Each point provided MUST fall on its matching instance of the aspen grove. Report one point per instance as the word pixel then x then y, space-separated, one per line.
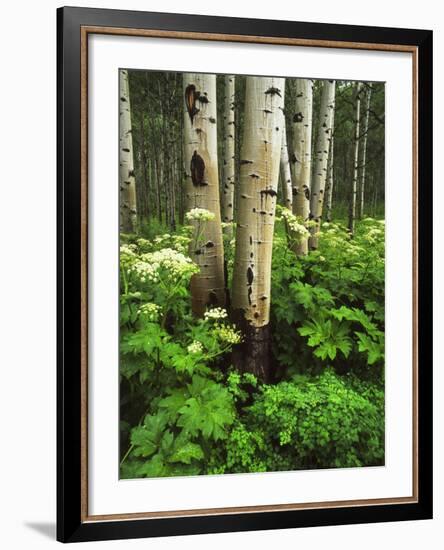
pixel 252 260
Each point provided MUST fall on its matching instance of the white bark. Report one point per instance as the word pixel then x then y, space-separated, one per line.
pixel 127 180
pixel 330 180
pixel 228 183
pixel 302 139
pixel 352 206
pixel 285 169
pixel 260 159
pixel 259 174
pixel 321 157
pixel 364 150
pixel 202 189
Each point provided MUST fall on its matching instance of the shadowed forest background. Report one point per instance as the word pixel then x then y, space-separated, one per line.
pixel 251 274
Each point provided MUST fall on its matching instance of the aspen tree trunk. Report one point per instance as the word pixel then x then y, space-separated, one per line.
pixel 302 138
pixel 364 152
pixel 127 180
pixel 228 176
pixel 352 206
pixel 326 117
pixel 202 189
pixel 285 169
pixel 144 160
pixel 330 179
pixel 259 174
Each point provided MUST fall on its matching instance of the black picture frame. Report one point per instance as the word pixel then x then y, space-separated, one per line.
pixel 71 523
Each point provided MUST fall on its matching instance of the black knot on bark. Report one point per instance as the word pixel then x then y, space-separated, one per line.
pixel 273 91
pixel 191 95
pixel 269 192
pixel 250 276
pixel 197 168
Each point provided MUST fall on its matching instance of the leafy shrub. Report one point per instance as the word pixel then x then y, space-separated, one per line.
pixel 328 306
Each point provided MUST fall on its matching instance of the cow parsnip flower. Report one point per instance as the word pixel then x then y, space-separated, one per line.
pixel 215 313
pixel 168 260
pixel 228 334
pixel 200 214
pixel 297 228
pixel 149 311
pixel 195 347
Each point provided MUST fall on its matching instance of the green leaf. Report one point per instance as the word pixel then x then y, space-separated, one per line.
pixel 147 438
pixel 188 452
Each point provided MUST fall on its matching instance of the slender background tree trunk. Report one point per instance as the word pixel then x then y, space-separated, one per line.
pixel 301 157
pixel 287 188
pixel 326 117
pixel 330 180
pixel 352 208
pixel 364 151
pixel 228 177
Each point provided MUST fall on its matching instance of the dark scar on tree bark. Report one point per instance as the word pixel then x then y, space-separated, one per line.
pixel 212 120
pixel 270 192
pixel 202 99
pixel 246 162
pixel 191 94
pixel 273 91
pixel 213 298
pixel 250 276
pixel 307 194
pixel 298 117
pixel 197 167
pixel 293 158
pixel 209 244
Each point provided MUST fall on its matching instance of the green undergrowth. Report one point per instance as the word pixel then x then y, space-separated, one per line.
pixel 184 410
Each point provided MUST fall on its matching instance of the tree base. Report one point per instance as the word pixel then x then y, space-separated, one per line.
pixel 253 355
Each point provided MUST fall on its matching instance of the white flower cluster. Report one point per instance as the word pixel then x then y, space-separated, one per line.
pixel 200 214
pixel 150 311
pixel 144 271
pixel 172 261
pixel 177 242
pixel 195 347
pixel 127 254
pixel 374 234
pixel 295 226
pixel 228 334
pixel 128 250
pixel 144 245
pixel 215 313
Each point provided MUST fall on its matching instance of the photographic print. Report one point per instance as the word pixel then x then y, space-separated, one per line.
pixel 252 259
pixel 244 274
